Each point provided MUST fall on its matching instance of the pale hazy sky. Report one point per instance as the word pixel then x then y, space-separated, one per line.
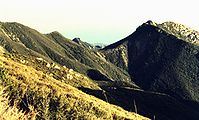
pixel 97 21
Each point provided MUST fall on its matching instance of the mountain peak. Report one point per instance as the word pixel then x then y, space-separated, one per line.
pixel 77 40
pixel 150 22
pixel 11 23
pixel 54 32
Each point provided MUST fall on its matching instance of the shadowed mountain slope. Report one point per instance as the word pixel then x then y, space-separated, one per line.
pixel 161 58
pixel 154 105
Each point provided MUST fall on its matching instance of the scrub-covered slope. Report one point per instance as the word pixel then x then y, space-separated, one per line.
pixel 37 95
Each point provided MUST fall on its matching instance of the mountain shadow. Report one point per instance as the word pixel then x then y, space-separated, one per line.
pixel 153 105
pixel 160 60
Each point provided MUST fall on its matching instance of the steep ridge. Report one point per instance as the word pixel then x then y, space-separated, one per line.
pixel 160 59
pixel 161 62
pixel 91 58
pixel 17 38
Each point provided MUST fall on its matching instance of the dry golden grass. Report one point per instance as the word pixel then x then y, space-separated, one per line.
pixel 52 99
pixel 13 113
pixel 56 71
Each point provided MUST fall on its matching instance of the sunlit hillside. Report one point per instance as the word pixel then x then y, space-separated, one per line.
pixel 27 93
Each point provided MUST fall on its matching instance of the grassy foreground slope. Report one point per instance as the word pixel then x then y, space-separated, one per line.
pixel 12 113
pixel 31 94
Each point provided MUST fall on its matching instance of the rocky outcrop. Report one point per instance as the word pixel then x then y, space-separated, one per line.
pixel 83 44
pixel 117 54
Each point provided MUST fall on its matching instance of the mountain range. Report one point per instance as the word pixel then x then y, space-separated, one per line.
pixel 152 72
